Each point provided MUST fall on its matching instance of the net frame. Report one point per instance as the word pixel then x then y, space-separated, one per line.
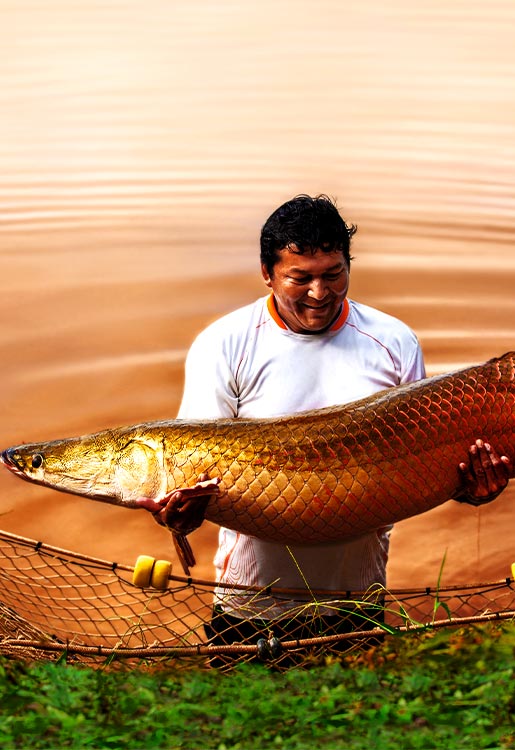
pixel 57 604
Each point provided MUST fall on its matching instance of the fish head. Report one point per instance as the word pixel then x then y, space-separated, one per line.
pixel 110 466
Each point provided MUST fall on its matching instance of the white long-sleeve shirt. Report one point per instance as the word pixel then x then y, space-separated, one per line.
pixel 249 364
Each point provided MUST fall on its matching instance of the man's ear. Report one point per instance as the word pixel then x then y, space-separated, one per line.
pixel 266 276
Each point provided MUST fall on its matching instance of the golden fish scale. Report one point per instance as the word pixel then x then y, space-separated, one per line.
pixel 337 473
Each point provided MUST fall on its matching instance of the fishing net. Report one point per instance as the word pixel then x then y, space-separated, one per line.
pixel 56 604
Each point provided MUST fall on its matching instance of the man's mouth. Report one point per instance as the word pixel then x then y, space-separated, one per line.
pixel 323 306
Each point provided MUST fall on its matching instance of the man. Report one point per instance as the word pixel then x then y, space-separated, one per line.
pixel 304 346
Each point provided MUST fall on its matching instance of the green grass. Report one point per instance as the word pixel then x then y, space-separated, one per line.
pixel 448 689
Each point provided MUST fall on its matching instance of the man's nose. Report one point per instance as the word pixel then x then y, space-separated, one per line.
pixel 317 289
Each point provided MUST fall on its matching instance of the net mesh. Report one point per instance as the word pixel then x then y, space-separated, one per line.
pixel 57 604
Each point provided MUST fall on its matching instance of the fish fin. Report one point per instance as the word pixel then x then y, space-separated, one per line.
pixel 184 552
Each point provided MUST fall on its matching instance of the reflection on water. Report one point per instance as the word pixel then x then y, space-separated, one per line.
pixel 182 127
pixel 143 146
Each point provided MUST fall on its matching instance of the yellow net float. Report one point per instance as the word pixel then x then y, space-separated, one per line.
pixel 160 574
pixel 149 572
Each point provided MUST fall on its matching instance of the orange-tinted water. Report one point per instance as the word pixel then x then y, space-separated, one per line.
pixel 142 146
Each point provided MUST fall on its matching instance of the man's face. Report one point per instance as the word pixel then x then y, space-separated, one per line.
pixel 309 289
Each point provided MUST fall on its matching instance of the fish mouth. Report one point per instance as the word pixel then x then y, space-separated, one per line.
pixel 7 457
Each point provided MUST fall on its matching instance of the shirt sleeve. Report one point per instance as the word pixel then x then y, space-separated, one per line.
pixel 414 368
pixel 210 390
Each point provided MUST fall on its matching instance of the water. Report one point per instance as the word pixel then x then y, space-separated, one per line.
pixel 142 147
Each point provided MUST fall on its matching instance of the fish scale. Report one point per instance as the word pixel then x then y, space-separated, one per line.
pixel 319 476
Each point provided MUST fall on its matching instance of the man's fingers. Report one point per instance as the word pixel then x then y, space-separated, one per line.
pixel 183 509
pixel 148 503
pixel 485 475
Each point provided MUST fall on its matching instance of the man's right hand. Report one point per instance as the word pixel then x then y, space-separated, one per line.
pixel 182 510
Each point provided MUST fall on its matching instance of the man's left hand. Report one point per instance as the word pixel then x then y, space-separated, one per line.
pixel 485 476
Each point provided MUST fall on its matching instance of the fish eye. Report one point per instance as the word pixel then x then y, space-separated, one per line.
pixel 37 461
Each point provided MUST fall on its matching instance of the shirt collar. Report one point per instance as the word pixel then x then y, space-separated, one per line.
pixel 337 324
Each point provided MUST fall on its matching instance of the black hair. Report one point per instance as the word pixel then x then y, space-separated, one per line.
pixel 309 224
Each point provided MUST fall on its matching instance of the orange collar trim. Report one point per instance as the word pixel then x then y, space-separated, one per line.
pixel 338 323
pixel 272 309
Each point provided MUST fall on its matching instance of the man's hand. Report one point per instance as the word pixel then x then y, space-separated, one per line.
pixel 183 510
pixel 485 476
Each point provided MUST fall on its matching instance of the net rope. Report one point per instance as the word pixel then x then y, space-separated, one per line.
pixel 56 604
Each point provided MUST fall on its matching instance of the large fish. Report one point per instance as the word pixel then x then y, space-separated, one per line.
pixel 318 476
